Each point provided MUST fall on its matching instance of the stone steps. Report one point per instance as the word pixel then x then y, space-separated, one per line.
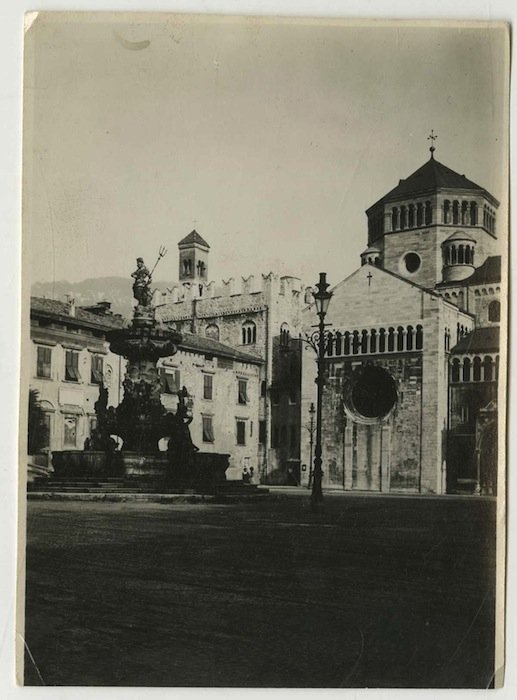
pixel 85 488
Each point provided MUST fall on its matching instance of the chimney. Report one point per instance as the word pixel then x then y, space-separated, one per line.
pixel 71 304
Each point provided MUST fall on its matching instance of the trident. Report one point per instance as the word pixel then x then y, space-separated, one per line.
pixel 161 253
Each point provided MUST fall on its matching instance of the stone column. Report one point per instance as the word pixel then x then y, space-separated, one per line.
pixel 349 455
pixel 385 450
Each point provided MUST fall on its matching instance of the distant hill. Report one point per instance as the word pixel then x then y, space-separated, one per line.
pixel 116 290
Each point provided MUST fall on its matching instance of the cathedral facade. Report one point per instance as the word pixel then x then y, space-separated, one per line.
pixel 412 351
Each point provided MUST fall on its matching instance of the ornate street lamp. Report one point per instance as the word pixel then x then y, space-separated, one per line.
pixel 318 342
pixel 322 299
pixel 312 411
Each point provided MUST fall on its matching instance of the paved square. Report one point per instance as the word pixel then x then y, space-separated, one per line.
pixel 374 592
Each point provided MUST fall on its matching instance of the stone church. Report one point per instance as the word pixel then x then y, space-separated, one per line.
pixel 412 353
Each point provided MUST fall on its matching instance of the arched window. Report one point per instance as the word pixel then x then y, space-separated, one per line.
pixel 409 338
pixel 428 213
pixel 364 341
pixel 249 333
pixel 346 343
pixel 411 217
pixel 330 343
pixel 382 340
pixel 373 340
pixel 455 370
pixel 453 255
pixel 455 212
pixel 494 311
pixel 355 342
pixel 460 254
pixel 466 370
pixel 339 343
pixel 284 334
pixel 464 213
pixel 476 369
pixel 400 339
pixel 395 218
pixel 212 331
pixel 403 215
pixel 419 337
pixel 419 214
pixel 391 339
pixel 446 212
pixel 473 214
pixel 488 369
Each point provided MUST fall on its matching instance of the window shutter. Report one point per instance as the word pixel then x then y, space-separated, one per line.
pixel 243 393
pixel 207 386
pixel 208 429
pixel 72 366
pixel 43 362
pixel 241 432
pixel 97 369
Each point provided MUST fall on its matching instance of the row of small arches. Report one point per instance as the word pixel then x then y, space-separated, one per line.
pixel 412 215
pixel 475 370
pixel 458 255
pixel 489 219
pixel 455 212
pixel 487 291
pixel 371 260
pixel 375 341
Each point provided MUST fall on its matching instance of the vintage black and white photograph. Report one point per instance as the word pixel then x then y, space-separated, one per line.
pixel 264 352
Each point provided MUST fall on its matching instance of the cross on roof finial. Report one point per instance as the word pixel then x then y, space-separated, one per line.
pixel 432 137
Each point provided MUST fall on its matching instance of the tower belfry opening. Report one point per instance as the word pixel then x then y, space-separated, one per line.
pixel 193 258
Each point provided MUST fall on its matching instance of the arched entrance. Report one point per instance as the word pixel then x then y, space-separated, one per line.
pixel 369 398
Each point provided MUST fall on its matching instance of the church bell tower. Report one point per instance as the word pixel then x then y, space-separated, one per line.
pixel 193 258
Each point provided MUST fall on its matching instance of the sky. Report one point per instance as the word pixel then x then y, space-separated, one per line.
pixel 271 138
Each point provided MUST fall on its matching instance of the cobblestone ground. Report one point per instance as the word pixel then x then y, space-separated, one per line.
pixel 373 592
